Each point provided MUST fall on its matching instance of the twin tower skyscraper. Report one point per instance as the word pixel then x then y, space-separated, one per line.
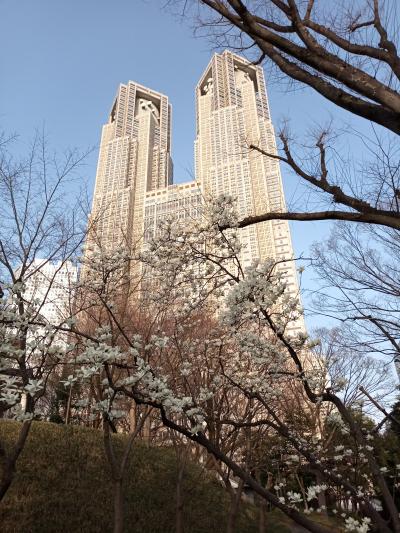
pixel 134 187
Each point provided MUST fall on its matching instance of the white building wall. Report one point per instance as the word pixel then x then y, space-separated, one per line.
pixel 51 284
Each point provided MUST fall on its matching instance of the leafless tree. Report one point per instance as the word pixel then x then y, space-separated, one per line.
pixel 361 287
pixel 41 223
pixel 348 368
pixel 118 468
pixel 249 376
pixel 347 53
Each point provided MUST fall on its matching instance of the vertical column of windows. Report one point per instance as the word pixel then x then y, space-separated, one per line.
pixel 130 113
pixel 120 111
pixel 231 83
pixel 262 94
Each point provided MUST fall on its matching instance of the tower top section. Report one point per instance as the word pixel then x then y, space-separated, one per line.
pixel 226 75
pixel 134 104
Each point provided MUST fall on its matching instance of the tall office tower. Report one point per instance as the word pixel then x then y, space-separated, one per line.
pixel 134 158
pixel 233 113
pixel 134 190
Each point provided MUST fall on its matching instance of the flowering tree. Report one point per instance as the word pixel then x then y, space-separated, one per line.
pixel 256 312
pixel 208 347
pixel 245 356
pixel 186 330
pixel 36 222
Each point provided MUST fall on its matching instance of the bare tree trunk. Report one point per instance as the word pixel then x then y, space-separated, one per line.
pixel 236 497
pixel 8 463
pixel 302 490
pixel 118 506
pixel 262 522
pixel 262 506
pixel 179 497
pixel 147 431
pixel 181 454
pixel 321 495
pixel 68 408
pixel 132 417
pixel 118 471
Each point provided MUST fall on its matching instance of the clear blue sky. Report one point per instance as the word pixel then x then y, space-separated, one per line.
pixel 62 60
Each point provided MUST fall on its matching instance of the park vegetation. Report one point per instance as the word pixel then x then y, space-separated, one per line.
pixel 179 345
